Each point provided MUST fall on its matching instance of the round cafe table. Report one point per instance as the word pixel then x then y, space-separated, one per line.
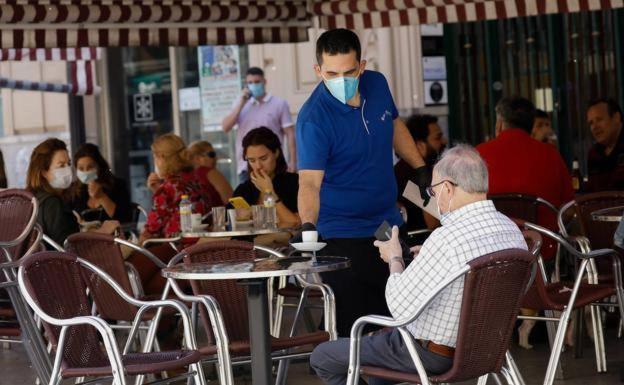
pixel 610 214
pixel 250 232
pixel 253 275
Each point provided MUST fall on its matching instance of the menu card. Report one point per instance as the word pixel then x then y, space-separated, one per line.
pixel 412 193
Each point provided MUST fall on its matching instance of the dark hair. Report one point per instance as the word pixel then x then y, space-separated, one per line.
pixel 516 112
pixel 264 136
pixel 337 41
pixel 418 126
pixel 612 106
pixel 40 162
pixel 541 114
pixel 255 71
pixel 105 176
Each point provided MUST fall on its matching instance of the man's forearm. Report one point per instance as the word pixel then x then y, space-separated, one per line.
pixel 308 201
pixel 292 150
pixel 230 120
pixel 405 147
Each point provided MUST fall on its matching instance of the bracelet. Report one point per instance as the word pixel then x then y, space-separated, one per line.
pixel 398 259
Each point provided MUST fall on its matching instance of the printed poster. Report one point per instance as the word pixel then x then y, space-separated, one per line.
pixel 219 83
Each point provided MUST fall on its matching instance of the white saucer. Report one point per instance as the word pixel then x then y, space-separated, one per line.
pixel 309 246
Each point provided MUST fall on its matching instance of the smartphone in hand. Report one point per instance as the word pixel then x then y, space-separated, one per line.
pixel 383 232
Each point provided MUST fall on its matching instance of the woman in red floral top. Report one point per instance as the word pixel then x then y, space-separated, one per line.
pixel 173 178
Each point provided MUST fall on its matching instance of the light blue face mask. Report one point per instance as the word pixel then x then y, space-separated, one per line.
pixel 342 88
pixel 256 89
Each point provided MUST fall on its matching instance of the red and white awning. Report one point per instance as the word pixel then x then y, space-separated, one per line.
pixel 361 14
pixel 111 23
pixel 81 69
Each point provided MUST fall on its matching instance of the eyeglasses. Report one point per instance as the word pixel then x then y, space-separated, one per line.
pixel 211 154
pixel 430 191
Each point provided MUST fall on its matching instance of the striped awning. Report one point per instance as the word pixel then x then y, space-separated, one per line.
pixel 361 14
pixel 109 23
pixel 81 69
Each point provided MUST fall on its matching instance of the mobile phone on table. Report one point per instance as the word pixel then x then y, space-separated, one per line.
pixel 239 203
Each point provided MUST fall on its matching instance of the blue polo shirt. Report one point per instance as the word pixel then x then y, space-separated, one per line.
pixel 353 145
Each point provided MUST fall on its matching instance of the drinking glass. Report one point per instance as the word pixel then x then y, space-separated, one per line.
pixel 257 214
pixel 270 218
pixel 218 218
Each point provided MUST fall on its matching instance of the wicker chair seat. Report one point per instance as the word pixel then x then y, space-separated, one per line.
pixel 558 295
pixel 243 348
pixel 140 363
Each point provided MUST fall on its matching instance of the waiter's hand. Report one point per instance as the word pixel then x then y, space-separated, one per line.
pixel 297 238
pixel 390 248
pixel 422 177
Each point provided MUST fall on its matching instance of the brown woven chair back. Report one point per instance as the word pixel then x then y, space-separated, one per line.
pixel 16 209
pixel 516 205
pixel 57 283
pixel 493 289
pixel 102 251
pixel 600 234
pixel 231 297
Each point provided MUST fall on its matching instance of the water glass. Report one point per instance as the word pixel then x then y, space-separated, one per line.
pixel 218 218
pixel 257 213
pixel 270 217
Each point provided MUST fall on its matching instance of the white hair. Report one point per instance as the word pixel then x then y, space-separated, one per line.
pixel 464 166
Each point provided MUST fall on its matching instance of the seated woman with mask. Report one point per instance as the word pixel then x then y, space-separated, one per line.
pixel 203 155
pixel 99 188
pixel 268 173
pixel 50 179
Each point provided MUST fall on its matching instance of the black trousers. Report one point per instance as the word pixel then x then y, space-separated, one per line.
pixel 359 290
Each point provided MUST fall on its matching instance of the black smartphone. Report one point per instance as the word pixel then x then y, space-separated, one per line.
pixel 383 232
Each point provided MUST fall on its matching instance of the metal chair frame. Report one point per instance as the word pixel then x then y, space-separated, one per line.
pixel 106 332
pixel 586 258
pixel 510 371
pixel 223 360
pixel 30 335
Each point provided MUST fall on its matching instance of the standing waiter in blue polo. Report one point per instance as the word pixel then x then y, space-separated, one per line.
pixel 346 133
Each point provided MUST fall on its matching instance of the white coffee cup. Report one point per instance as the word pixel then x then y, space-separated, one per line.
pixel 196 221
pixel 309 236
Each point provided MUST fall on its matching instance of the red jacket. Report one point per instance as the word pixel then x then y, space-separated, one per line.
pixel 518 163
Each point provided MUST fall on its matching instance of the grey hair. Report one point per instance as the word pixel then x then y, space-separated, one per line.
pixel 464 166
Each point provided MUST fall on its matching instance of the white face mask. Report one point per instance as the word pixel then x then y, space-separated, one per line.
pixel 443 216
pixel 86 177
pixel 62 178
pixel 157 171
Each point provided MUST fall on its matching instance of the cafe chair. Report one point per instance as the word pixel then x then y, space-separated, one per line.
pixel 223 311
pixel 493 288
pixel 104 251
pixel 56 286
pixel 566 297
pixel 18 237
pixel 599 234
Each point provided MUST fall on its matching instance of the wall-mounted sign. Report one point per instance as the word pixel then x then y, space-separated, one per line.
pixel 434 68
pixel 432 29
pixel 435 92
pixel 219 83
pixel 143 108
pixel 190 99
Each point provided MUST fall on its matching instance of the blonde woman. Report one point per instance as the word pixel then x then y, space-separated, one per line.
pixel 175 176
pixel 204 158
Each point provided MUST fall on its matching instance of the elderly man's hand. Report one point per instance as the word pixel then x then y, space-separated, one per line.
pixel 391 248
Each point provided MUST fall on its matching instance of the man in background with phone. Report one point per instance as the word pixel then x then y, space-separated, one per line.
pixel 347 132
pixel 257 108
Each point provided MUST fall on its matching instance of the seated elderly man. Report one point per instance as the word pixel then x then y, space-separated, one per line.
pixel 471 227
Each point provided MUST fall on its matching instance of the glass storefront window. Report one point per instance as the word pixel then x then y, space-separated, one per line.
pixel 148 113
pixel 191 122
